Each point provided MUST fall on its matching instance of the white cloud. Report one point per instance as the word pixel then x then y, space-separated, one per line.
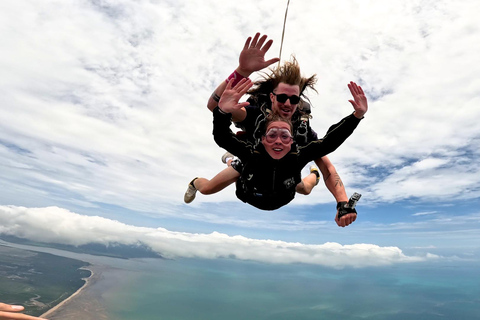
pixel 57 225
pixel 425 213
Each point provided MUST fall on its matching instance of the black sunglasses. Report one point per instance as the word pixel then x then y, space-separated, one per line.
pixel 282 98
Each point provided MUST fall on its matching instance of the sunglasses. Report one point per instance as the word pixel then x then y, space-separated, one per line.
pixel 272 135
pixel 282 98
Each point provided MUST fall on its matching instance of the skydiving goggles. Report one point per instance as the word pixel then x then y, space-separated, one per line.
pixel 282 98
pixel 272 135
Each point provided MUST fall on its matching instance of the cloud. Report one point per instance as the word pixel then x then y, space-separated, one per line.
pixel 424 213
pixel 57 225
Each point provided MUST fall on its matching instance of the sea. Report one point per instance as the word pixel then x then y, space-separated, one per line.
pixel 181 289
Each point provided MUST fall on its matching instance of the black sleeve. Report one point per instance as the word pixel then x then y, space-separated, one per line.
pixel 224 136
pixel 336 135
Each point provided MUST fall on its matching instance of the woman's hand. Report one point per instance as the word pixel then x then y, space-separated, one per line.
pixel 230 97
pixel 359 101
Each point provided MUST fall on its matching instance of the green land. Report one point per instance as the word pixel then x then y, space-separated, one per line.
pixel 38 281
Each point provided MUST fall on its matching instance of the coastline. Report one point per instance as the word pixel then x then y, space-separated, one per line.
pixel 74 304
pixel 87 302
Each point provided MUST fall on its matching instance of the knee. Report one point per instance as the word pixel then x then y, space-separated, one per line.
pixel 206 188
pixel 206 191
pixel 302 189
pixel 306 192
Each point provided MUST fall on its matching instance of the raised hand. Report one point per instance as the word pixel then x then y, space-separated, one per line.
pixel 230 97
pixel 359 101
pixel 252 57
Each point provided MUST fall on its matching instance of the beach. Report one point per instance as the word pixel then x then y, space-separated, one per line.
pixel 86 301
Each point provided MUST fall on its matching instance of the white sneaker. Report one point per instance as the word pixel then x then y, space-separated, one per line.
pixel 314 169
pixel 226 156
pixel 190 193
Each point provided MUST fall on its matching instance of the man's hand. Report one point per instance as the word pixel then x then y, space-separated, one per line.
pixel 348 215
pixel 252 57
pixel 229 100
pixel 346 219
pixel 359 101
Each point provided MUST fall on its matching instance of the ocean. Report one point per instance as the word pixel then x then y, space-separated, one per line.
pixel 227 289
pixel 147 289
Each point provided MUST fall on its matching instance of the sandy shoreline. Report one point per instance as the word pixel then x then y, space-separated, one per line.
pixel 87 282
pixel 81 302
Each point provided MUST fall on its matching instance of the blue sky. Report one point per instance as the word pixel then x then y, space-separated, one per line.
pixel 104 122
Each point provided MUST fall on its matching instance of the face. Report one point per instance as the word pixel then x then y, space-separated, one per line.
pixel 286 109
pixel 278 139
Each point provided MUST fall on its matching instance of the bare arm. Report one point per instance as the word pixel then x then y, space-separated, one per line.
pixel 252 58
pixel 335 185
pixel 331 178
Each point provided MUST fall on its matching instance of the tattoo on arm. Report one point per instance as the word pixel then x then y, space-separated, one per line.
pixel 215 96
pixel 336 178
pixel 338 181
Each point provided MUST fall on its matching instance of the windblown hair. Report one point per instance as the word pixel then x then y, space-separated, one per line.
pixel 288 73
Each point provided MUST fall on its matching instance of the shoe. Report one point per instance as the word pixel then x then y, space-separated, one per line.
pixel 190 193
pixel 314 170
pixel 226 156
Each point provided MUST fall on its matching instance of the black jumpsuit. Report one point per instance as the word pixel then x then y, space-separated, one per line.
pixel 267 183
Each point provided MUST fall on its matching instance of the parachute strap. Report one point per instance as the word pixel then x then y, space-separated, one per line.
pixel 283 33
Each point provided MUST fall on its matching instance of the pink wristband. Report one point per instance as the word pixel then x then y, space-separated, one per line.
pixel 236 78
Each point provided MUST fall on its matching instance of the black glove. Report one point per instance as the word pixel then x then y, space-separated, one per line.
pixel 343 209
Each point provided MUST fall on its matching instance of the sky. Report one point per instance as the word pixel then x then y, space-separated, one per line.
pixel 104 122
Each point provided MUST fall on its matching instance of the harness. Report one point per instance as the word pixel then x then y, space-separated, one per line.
pixel 300 120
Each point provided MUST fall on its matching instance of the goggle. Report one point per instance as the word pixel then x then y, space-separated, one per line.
pixel 272 135
pixel 282 98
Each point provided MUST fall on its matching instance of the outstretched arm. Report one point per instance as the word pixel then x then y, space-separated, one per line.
pixel 252 58
pixel 339 132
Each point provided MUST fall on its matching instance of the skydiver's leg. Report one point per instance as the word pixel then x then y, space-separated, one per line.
pixel 309 182
pixel 222 180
